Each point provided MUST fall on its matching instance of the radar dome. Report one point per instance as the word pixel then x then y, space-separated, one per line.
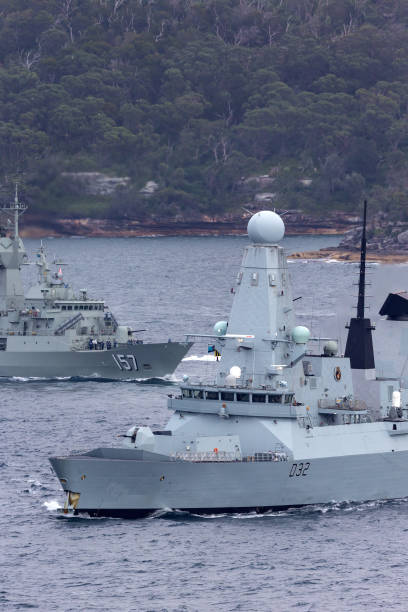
pixel 300 334
pixel 266 227
pixel 330 348
pixel 230 381
pixel 235 371
pixel 220 328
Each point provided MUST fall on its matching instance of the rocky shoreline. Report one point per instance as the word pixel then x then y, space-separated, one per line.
pixel 297 223
pixel 353 256
pixel 389 246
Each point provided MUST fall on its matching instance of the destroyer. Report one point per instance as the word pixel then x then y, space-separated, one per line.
pixel 52 331
pixel 279 427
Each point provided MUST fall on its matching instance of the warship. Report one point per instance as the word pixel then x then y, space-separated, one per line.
pixel 53 331
pixel 280 426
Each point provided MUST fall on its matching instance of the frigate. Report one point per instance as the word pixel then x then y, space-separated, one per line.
pixel 280 426
pixel 54 331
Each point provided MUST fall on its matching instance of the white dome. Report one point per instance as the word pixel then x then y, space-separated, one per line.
pixel 266 227
pixel 300 334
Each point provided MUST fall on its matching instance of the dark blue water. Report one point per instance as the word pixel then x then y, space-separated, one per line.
pixel 345 557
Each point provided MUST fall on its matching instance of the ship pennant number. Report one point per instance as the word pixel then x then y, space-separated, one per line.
pixel 125 362
pixel 299 469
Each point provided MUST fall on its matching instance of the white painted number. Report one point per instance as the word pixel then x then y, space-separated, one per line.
pixel 127 362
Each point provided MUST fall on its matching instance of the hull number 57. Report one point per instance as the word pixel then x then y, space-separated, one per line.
pixel 125 362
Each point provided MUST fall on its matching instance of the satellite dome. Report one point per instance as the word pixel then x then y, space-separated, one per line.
pixel 266 227
pixel 220 328
pixel 300 334
pixel 330 348
pixel 235 371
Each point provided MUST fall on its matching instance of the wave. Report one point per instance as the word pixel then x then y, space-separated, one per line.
pixel 202 358
pixel 165 380
pixel 52 505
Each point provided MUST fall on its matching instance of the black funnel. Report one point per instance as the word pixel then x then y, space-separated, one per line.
pixel 359 346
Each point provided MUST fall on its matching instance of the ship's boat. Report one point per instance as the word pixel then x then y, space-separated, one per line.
pixel 54 331
pixel 280 425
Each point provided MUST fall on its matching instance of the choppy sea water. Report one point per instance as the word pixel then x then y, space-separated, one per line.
pixel 339 557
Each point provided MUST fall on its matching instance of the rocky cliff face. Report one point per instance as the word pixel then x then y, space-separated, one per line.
pixel 229 224
pixel 382 237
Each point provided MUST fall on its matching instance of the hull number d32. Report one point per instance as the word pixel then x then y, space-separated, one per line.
pixel 125 362
pixel 299 469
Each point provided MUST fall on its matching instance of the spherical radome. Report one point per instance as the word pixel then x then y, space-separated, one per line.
pixel 220 328
pixel 331 348
pixel 266 227
pixel 300 334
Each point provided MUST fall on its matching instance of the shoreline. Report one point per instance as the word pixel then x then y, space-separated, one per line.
pixel 353 256
pixel 104 228
pixel 33 227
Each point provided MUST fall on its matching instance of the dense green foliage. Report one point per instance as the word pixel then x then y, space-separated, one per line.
pixel 199 94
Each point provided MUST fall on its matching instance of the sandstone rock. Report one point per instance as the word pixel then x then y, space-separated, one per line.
pixel 403 237
pixel 96 183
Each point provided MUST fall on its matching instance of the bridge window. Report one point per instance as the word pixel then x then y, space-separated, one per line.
pixel 212 395
pixel 186 392
pixel 275 399
pixel 227 396
pixel 69 307
pixel 63 307
pixel 289 398
pixel 259 397
pixel 242 397
pixel 197 393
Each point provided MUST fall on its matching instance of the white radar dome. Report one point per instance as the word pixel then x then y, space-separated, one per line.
pixel 266 227
pixel 300 334
pixel 220 328
pixel 235 371
pixel 330 348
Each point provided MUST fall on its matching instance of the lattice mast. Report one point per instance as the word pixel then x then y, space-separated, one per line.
pixel 359 346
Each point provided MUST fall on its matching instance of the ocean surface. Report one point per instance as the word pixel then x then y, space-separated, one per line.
pixel 334 557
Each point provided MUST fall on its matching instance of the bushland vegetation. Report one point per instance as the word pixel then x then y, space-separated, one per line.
pixel 200 95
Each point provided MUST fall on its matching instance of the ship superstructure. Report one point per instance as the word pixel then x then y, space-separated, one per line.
pixel 54 331
pixel 280 426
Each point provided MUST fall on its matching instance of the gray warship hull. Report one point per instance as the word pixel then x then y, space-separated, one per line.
pixel 137 361
pixel 279 427
pixel 134 488
pixel 52 331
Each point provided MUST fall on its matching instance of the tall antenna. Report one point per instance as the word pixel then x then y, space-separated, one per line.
pixel 362 282
pixel 12 212
pixel 359 346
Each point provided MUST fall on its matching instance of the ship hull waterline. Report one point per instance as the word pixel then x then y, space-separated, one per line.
pixel 139 361
pixel 132 489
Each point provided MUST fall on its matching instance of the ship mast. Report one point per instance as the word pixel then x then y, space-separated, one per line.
pixel 362 282
pixel 359 346
pixel 13 212
pixel 12 255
